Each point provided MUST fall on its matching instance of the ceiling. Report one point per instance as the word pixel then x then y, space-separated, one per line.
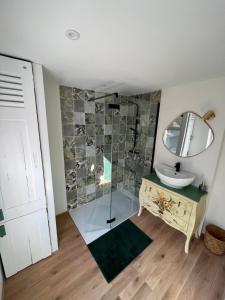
pixel 129 46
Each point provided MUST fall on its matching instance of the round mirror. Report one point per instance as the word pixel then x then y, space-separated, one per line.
pixel 188 135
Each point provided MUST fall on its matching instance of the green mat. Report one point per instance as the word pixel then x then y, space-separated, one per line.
pixel 117 248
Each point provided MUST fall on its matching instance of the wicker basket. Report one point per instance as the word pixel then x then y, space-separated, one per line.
pixel 215 239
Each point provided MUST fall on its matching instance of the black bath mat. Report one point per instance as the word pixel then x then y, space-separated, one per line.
pixel 117 248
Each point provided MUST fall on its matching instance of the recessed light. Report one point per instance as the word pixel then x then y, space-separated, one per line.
pixel 72 34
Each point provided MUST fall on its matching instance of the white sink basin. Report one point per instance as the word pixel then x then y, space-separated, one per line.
pixel 170 177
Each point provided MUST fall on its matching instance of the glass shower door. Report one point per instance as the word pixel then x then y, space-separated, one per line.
pixel 98 218
pixel 124 125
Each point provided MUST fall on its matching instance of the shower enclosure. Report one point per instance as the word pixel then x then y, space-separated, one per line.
pixel 116 200
pixel 108 147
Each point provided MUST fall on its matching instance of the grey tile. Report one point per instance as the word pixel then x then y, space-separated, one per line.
pixel 131 110
pixel 84 95
pixel 69 148
pixel 108 129
pixel 121 146
pixel 90 151
pixel 67 105
pixel 108 110
pixel 99 139
pixel 91 160
pixel 123 109
pixel 108 119
pixel 90 129
pixel 90 179
pixel 89 118
pixel 115 139
pixel 72 195
pixel 80 141
pixel 130 120
pixel 80 163
pixel 80 152
pixel 99 149
pixel 81 196
pixel 65 92
pixel 99 119
pixel 67 117
pixel 144 120
pixel 107 149
pixel 81 173
pixel 99 157
pixel 81 183
pixel 122 129
pixel 89 107
pixel 108 139
pixel 99 108
pixel 79 118
pixel 78 105
pixel 68 130
pixel 90 189
pixel 116 120
pixel 79 130
pixel 116 112
pixel 90 141
pixel 115 129
pixel 99 129
pixel 69 164
pixel 115 157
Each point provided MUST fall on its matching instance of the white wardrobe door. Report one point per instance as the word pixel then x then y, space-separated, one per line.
pixel 26 242
pixel 22 188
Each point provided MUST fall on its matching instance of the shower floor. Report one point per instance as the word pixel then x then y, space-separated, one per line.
pixel 90 218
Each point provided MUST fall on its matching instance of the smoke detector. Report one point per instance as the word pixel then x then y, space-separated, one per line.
pixel 72 34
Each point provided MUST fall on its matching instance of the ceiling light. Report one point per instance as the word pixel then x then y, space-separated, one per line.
pixel 72 34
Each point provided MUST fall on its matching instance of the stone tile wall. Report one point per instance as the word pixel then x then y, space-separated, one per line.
pixel 98 140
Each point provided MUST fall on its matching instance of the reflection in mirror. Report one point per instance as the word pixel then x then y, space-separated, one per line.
pixel 188 135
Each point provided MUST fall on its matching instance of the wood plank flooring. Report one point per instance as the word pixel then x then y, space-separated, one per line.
pixel 162 271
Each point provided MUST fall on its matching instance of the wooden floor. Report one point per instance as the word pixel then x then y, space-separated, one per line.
pixel 162 271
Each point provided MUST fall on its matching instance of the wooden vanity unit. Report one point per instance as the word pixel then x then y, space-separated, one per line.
pixel 182 209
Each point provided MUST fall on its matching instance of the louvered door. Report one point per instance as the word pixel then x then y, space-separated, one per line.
pixel 21 175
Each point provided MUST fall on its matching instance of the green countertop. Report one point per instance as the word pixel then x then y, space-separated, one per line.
pixel 190 191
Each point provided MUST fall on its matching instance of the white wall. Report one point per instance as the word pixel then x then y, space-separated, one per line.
pixel 53 111
pixel 216 209
pixel 198 97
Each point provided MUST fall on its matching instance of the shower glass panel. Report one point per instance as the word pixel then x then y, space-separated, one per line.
pixel 124 204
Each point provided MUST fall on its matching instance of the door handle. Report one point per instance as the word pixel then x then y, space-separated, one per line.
pixel 2 231
pixel 1 215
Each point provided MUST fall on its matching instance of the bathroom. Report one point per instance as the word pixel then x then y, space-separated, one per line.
pixel 113 114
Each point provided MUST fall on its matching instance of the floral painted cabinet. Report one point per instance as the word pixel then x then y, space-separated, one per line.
pixel 181 209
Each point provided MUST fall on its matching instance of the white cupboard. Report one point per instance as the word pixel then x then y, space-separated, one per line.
pixel 23 224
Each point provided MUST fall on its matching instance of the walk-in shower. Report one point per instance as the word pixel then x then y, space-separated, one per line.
pixel 108 142
pixel 118 204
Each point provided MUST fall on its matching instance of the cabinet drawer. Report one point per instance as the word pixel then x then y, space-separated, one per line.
pixel 173 209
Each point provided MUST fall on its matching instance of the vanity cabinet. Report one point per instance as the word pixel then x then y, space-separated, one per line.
pixel 182 209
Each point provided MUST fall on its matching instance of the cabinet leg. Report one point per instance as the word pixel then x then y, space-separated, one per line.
pixel 140 211
pixel 197 235
pixel 186 248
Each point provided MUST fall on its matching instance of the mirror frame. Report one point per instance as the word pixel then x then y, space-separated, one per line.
pixel 190 111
